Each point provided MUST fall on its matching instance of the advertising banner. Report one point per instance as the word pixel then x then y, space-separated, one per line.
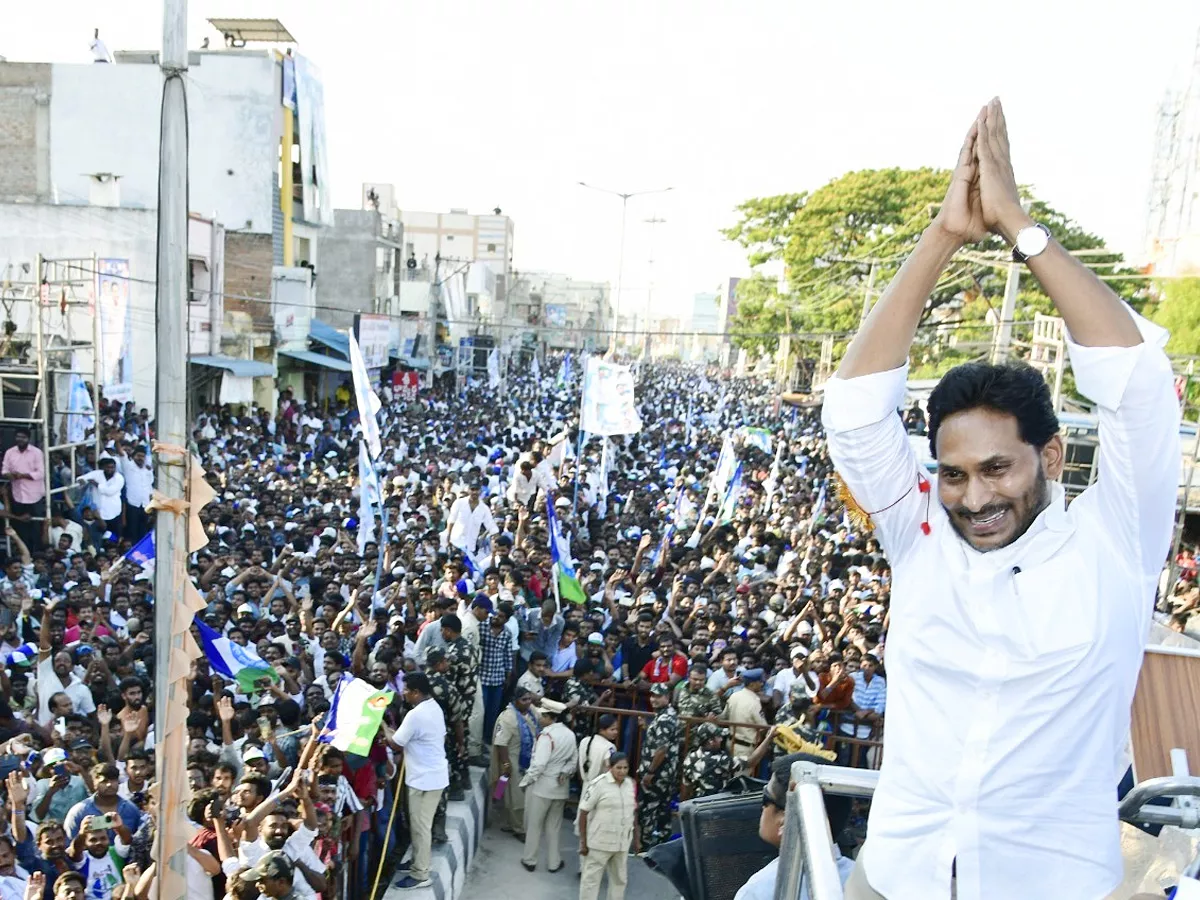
pixel 116 329
pixel 374 334
pixel 608 405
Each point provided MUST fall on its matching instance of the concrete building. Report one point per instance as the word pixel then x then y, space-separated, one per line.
pixel 727 306
pixel 87 136
pixel 561 311
pixel 117 250
pixel 1173 213
pixel 362 265
pixel 458 238
pixel 704 324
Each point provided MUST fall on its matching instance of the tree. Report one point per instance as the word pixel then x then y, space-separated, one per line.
pixel 1178 310
pixel 827 239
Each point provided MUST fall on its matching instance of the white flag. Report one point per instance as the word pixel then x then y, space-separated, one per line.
pixel 535 368
pixel 493 369
pixel 369 497
pixel 368 403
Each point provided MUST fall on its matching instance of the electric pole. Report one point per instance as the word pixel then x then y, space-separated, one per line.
pixel 1007 311
pixel 867 295
pixel 653 220
pixel 171 462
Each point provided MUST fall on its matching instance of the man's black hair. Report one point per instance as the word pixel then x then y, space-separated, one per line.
pixel 1013 388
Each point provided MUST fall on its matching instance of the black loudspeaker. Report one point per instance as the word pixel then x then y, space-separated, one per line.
pixel 483 346
pixel 721 845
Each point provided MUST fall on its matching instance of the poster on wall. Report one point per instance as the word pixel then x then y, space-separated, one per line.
pixel 116 329
pixel 556 315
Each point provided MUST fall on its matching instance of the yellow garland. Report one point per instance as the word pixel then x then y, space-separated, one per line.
pixel 859 517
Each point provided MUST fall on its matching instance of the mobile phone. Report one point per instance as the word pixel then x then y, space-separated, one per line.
pixel 101 823
pixel 60 769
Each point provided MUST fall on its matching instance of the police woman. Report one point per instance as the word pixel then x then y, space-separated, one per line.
pixel 607 829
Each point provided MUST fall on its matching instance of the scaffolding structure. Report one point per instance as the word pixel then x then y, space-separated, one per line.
pixel 41 363
pixel 1173 210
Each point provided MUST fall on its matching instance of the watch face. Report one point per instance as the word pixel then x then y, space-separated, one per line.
pixel 1032 241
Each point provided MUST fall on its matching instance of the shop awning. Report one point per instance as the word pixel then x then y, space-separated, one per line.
pixel 419 363
pixel 317 359
pixel 243 368
pixel 325 334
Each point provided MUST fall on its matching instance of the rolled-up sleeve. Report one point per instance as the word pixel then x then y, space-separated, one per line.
pixel 1140 456
pixel 870 450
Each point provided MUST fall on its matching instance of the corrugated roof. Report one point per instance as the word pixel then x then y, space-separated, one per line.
pixel 317 359
pixel 243 368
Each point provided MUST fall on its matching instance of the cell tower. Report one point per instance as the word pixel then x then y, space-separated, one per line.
pixel 1173 211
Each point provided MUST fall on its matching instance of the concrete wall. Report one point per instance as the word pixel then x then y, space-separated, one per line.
pixel 105 118
pixel 346 277
pixel 24 131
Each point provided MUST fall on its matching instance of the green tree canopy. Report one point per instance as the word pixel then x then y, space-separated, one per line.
pixel 1178 310
pixel 827 238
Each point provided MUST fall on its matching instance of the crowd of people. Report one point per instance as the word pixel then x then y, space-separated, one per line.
pixel 709 633
pixel 717 627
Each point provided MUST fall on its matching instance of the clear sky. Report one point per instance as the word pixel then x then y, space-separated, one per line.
pixel 484 103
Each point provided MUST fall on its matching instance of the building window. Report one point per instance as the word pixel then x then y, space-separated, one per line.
pixel 449 237
pixel 491 248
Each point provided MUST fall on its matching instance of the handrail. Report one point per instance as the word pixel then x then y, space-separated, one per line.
pixel 806 857
pixel 1134 808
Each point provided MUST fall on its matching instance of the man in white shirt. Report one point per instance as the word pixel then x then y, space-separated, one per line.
pixel 422 737
pixel 107 484
pixel 139 483
pixel 468 517
pixel 1017 624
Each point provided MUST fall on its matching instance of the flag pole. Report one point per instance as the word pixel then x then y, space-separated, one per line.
pixel 578 466
pixel 383 524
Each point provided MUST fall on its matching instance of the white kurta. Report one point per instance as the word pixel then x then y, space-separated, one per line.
pixel 1011 673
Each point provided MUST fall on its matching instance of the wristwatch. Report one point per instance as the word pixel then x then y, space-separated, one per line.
pixel 1030 242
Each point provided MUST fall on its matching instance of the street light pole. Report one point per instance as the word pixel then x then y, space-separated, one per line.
pixel 621 260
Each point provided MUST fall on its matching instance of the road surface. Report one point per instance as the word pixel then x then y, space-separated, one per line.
pixel 497 873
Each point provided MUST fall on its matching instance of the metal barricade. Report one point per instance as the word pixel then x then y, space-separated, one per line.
pixel 806 857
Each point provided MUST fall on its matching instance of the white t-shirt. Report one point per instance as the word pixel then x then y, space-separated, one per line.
pixel 422 734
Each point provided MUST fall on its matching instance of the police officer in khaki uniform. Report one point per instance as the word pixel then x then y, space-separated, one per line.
pixel 607 829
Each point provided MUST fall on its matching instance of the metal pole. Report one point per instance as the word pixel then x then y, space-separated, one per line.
pixel 43 367
pixel 620 273
pixel 866 308
pixel 170 466
pixel 1004 331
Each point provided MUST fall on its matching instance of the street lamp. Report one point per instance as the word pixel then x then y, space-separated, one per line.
pixel 621 263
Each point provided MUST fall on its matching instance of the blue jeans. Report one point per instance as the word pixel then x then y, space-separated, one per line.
pixel 493 698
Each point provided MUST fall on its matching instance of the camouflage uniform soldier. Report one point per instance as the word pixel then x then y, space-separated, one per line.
pixel 577 692
pixel 659 768
pixel 462 673
pixel 692 698
pixel 708 768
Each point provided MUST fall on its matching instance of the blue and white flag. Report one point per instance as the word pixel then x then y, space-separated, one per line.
pixel 364 396
pixel 732 495
pixel 756 437
pixel 355 715
pixel 818 508
pixel 234 662
pixel 560 555
pixel 143 551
